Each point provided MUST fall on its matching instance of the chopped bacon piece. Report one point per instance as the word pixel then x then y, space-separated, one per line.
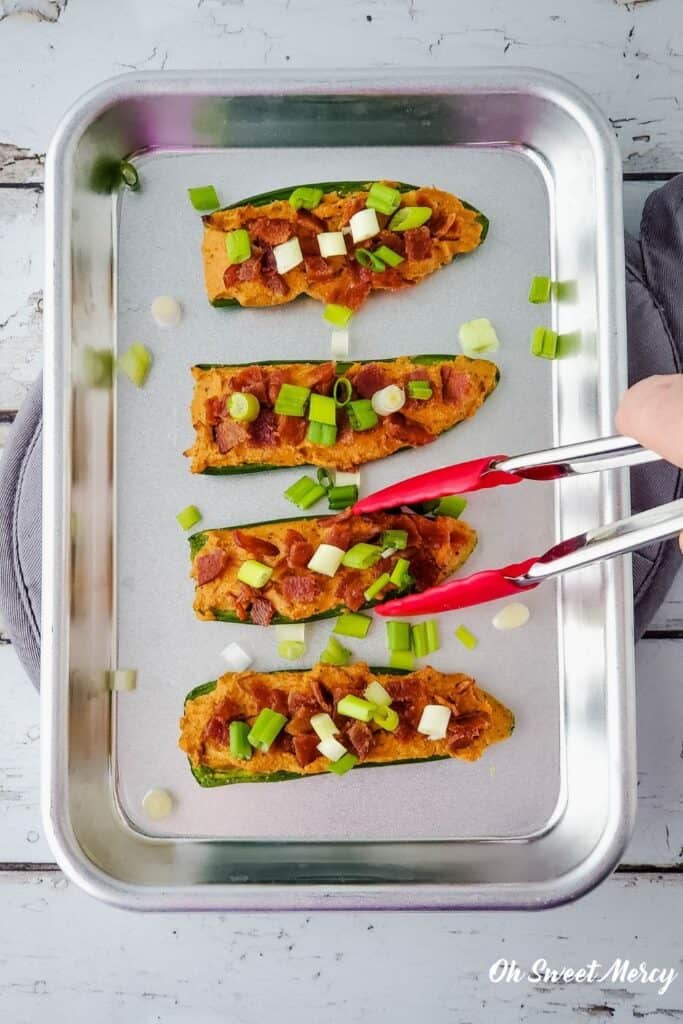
pixel 300 722
pixel 257 547
pixel 408 431
pixel 404 730
pixel 271 230
pixel 424 570
pixel 338 534
pixel 351 591
pixel 306 748
pixel 393 240
pixel 269 697
pixel 322 695
pixel 291 429
pixel 297 700
pixel 317 268
pixel 216 732
pixel 264 429
pixel 418 243
pixel 353 287
pixel 352 205
pixel 392 280
pixel 229 433
pixel 227 709
pixel 322 378
pixel 297 588
pixel 309 222
pixel 298 551
pixel 434 532
pixel 284 743
pixel 215 409
pixel 209 565
pixel 275 379
pixel 262 611
pixel 360 737
pixel 466 728
pixel 243 595
pixel 248 270
pixel 369 379
pixel 269 263
pixel 440 224
pixel 276 283
pixel 455 383
pixel 251 380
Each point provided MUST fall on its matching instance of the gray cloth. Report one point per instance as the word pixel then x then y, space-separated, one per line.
pixel 654 268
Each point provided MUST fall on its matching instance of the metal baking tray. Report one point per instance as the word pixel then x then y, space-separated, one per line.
pixel 542 817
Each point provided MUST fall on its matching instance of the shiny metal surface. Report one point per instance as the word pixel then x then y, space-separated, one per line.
pixel 602 453
pixel 572 683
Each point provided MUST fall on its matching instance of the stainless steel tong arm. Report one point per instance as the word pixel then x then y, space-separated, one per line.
pixel 585 457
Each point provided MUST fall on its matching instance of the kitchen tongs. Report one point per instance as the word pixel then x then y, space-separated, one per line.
pixel 498 470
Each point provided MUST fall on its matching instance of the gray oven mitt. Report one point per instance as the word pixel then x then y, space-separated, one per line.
pixel 654 269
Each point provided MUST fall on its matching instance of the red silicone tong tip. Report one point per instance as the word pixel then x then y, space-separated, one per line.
pixel 488 585
pixel 459 479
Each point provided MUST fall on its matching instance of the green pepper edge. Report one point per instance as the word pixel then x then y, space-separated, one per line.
pixel 210 778
pixel 342 188
pixel 198 540
pixel 262 467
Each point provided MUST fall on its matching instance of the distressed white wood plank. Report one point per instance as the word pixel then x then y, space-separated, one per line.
pixel 64 955
pixel 627 55
pixel 21 283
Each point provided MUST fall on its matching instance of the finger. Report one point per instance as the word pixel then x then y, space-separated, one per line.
pixel 652 412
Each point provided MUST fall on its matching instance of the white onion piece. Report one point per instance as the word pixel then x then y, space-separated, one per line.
pixel 157 803
pixel 389 399
pixel 331 243
pixel 166 311
pixel 376 694
pixel 388 552
pixel 478 336
pixel 434 721
pixel 237 658
pixel 295 631
pixel 364 225
pixel 323 726
pixel 288 255
pixel 342 479
pixel 512 616
pixel 340 343
pixel 123 679
pixel 326 559
pixel 331 748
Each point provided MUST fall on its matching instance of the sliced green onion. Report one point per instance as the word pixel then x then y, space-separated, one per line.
pixel 291 650
pixel 398 635
pixel 397 539
pixel 341 368
pixel 337 315
pixel 188 516
pixel 291 400
pixel 418 640
pixel 236 657
pixel 370 260
pixel 539 290
pixel 244 407
pixel 305 492
pixel 375 588
pixel 355 707
pixel 325 478
pixel 409 217
pixel 321 433
pixel 353 624
pixel 383 198
pixel 238 245
pixel 166 311
pixel 478 336
pixel 267 727
pixel 342 391
pixel 331 243
pixel 326 559
pixel 135 363
pixel 254 573
pixel 466 638
pixel 376 694
pixel 343 479
pixel 204 198
pixel 434 721
pixel 332 749
pixel 399 572
pixel 239 741
pixel 345 763
pixel 157 803
pixel 323 409
pixel 342 497
pixel 98 367
pixel 402 659
pixel 385 718
pixel 364 225
pixel 335 653
pixel 452 506
pixel 432 634
pixel 419 389
pixel 512 616
pixel 129 175
pixel 361 414
pixel 544 343
pixel 323 725
pixel 388 400
pixel 291 631
pixel 339 346
pixel 305 197
pixel 362 556
pixel 122 679
pixel 388 256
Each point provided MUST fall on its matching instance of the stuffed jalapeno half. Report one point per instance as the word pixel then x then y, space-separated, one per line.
pixel 329 414
pixel 271 727
pixel 297 570
pixel 334 241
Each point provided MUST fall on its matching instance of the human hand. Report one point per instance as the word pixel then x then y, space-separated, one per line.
pixel 652 412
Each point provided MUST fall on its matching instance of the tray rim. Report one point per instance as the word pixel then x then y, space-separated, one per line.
pixel 54 706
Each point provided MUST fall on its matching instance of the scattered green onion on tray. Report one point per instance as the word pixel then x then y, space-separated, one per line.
pixel 466 637
pixel 398 636
pixel 478 336
pixel 340 498
pixel 337 315
pixel 402 659
pixel 544 343
pixel 129 175
pixel 353 624
pixel 204 198
pixel 188 516
pixel 135 363
pixel 540 289
pixel 335 653
pixel 291 650
pixel 305 492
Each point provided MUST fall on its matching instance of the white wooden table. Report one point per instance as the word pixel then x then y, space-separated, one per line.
pixel 65 958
